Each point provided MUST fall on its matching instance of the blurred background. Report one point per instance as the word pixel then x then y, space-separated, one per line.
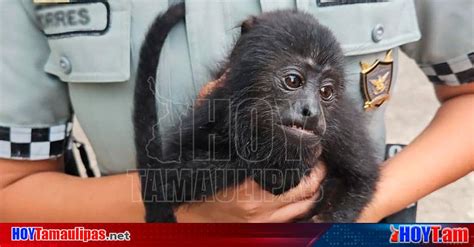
pixel 411 108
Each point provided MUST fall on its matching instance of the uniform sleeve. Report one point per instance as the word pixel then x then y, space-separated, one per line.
pixel 35 111
pixel 445 52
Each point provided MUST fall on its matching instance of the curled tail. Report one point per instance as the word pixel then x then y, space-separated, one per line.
pixel 145 110
pixel 145 119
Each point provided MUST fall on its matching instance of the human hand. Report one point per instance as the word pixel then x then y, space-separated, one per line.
pixel 207 89
pixel 249 203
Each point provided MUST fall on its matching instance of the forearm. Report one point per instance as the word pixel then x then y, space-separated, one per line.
pixel 442 154
pixel 54 196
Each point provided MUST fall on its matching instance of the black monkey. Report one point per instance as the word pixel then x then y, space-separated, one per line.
pixel 284 110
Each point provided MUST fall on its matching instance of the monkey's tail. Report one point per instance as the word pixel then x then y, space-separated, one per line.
pixel 145 109
pixel 145 120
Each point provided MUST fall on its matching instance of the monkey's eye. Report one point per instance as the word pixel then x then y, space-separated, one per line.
pixel 327 92
pixel 293 81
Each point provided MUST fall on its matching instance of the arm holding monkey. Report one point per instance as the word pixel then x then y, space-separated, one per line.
pixel 438 156
pixel 29 187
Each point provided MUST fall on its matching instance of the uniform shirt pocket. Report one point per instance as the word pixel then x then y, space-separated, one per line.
pixel 364 27
pixel 89 41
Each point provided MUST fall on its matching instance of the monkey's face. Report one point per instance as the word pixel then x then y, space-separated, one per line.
pixel 304 92
pixel 294 65
pixel 286 77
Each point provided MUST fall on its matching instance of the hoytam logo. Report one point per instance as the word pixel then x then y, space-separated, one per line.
pixel 74 234
pixel 428 234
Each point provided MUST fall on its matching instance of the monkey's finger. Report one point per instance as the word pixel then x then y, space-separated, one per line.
pixel 293 211
pixel 307 188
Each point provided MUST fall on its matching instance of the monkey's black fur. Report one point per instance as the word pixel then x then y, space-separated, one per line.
pixel 283 66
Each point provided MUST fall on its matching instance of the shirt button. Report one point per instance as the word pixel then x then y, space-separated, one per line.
pixel 377 33
pixel 65 65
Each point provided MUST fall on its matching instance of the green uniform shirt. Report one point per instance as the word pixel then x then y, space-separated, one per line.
pixel 81 58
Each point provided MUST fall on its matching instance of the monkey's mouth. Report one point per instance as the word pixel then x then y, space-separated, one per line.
pixel 297 129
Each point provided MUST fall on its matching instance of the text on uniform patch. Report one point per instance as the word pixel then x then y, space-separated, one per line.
pixel 73 18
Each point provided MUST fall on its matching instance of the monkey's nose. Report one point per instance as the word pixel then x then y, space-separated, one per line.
pixel 309 110
pixel 306 112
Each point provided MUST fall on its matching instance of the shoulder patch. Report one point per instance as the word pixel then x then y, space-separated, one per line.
pixel 376 80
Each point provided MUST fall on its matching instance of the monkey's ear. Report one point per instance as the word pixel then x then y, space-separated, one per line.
pixel 248 24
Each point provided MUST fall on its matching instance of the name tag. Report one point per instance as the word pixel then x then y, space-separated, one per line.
pixel 74 18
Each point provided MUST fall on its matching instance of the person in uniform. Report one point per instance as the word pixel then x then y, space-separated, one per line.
pixel 60 59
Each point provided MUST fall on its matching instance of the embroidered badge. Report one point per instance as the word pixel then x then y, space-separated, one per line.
pixel 376 80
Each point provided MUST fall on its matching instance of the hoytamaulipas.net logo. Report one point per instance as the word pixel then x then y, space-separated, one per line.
pixel 74 234
pixel 435 234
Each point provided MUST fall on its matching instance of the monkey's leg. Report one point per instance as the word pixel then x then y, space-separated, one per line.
pixel 343 199
pixel 352 175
